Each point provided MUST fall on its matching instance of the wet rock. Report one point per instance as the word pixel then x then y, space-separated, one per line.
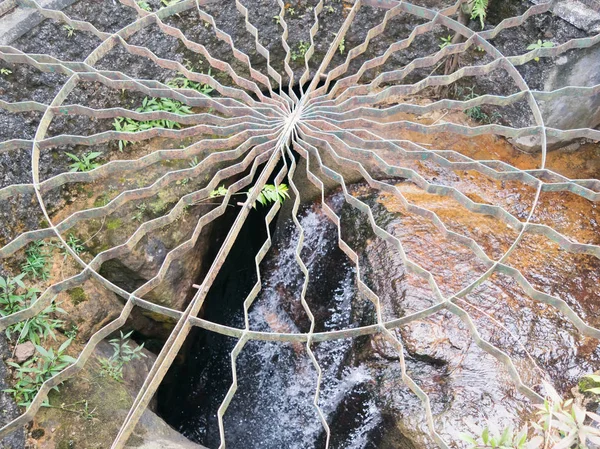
pixel 24 351
pixel 569 111
pixel 463 381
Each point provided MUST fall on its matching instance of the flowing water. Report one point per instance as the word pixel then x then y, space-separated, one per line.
pixel 362 395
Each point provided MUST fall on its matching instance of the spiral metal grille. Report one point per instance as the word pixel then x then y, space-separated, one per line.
pixel 337 117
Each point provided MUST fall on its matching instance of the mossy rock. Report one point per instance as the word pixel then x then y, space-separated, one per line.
pixel 77 295
pixel 64 425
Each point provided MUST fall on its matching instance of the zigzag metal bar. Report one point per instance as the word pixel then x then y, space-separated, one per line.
pixel 325 118
pixel 304 269
pixel 183 326
pixel 363 288
pixel 137 194
pixel 247 304
pixel 490 349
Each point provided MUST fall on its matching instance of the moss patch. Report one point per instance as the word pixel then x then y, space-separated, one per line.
pixel 113 223
pixel 585 383
pixel 77 295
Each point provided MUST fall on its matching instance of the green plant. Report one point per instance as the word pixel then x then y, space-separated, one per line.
pixel 169 2
pixel 84 411
pixel 445 41
pixel 140 211
pixel 292 11
pixel 5 72
pixel 594 380
pixel 329 9
pixel 70 30
pixel 219 191
pixel 144 5
pixel 561 424
pixel 126 124
pixel 505 440
pixel 271 193
pixel 123 354
pixel 38 328
pixel 85 162
pixel 277 20
pixel 33 373
pixel 194 162
pixel 72 333
pixel 300 51
pixel 181 82
pixel 75 244
pixel 11 300
pixel 539 44
pixel 479 10
pixel 476 113
pixel 36 259
pixel 342 46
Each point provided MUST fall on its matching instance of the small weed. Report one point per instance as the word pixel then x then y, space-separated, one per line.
pixel 539 44
pixel 126 124
pixel 84 411
pixel 38 328
pixel 329 9
pixel 14 294
pixel 479 10
pixel 445 41
pixel 85 162
pixel 300 51
pixel 169 2
pixel 269 194
pixel 292 11
pixel 219 191
pixel 72 333
pixel 181 82
pixel 277 20
pixel 123 354
pixel 342 46
pixel 75 244
pixel 34 372
pixel 5 72
pixel 194 162
pixel 70 30
pixel 561 423
pixel 140 211
pixel 476 113
pixel 36 259
pixel 144 5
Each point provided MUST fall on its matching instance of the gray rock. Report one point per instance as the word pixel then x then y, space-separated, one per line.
pixel 584 14
pixel 24 351
pixel 568 111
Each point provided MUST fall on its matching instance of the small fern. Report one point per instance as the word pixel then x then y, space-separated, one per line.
pixel 479 10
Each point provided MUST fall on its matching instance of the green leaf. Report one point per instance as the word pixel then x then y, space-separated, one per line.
pixel 64 346
pixel 43 352
pixel 468 438
pixel 485 435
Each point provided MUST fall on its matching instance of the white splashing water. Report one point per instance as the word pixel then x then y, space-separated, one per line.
pixel 273 407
